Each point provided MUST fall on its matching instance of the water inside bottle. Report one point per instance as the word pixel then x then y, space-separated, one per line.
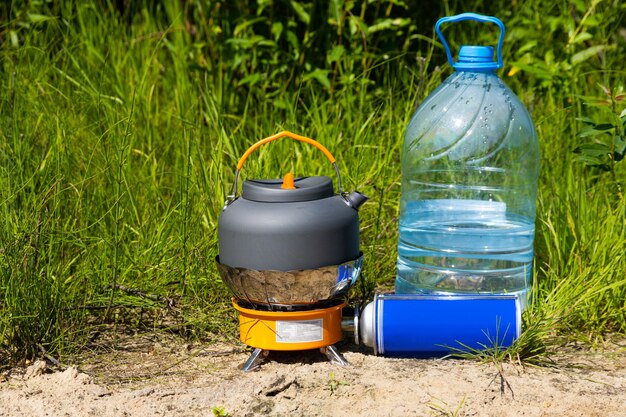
pixel 451 246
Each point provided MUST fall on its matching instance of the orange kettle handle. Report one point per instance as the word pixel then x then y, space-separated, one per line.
pixel 283 134
pixel 279 135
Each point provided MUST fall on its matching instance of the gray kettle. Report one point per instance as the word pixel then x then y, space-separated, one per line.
pixel 291 223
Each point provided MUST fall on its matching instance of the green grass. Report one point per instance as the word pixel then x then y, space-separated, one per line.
pixel 120 132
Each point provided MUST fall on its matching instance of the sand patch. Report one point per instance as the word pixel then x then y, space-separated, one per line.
pixel 169 378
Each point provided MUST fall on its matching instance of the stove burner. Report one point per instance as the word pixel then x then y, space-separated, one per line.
pixel 290 307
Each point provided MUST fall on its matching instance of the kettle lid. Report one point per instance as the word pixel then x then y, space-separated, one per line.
pixel 272 190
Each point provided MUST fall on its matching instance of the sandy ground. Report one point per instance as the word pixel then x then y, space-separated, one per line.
pixel 145 377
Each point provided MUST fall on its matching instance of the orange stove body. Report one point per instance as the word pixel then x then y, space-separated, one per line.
pixel 292 330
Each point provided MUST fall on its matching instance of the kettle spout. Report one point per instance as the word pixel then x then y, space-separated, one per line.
pixel 355 199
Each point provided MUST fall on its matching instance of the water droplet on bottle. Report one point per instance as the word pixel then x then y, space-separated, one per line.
pixel 490 197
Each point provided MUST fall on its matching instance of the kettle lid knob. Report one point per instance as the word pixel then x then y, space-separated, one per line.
pixel 288 182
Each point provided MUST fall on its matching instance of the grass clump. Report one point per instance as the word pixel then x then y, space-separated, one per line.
pixel 121 127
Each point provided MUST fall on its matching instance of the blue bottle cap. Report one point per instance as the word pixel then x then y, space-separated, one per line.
pixel 476 58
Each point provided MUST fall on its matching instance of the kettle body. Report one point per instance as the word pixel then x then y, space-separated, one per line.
pixel 306 230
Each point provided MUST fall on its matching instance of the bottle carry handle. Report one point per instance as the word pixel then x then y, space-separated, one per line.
pixel 478 18
pixel 279 135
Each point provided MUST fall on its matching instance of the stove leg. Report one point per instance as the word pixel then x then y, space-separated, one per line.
pixel 334 356
pixel 255 360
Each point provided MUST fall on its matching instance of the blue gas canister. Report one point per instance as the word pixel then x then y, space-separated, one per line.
pixel 418 325
pixel 470 165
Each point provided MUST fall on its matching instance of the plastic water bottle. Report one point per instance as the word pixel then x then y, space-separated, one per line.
pixel 469 183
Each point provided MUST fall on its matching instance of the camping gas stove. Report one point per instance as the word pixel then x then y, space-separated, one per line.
pixel 289 253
